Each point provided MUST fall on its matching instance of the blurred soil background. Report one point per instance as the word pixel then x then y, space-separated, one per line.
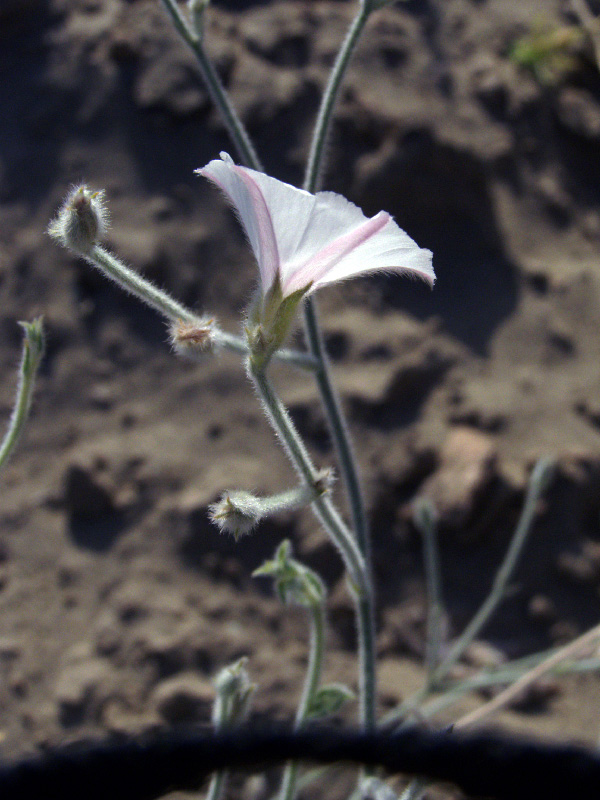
pixel 118 599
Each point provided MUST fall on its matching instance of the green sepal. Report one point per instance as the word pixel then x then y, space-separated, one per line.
pixel 33 343
pixel 329 699
pixel 269 320
pixel 294 582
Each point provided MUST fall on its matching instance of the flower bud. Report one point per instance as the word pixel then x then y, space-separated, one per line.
pixel 192 339
pixel 81 221
pixel 237 513
pixel 197 11
pixel 295 583
pixel 234 692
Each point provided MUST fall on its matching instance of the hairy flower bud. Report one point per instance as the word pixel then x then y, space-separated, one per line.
pixel 234 692
pixel 81 221
pixel 237 513
pixel 191 339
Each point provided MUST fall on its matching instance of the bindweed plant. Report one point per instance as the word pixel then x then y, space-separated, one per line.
pixel 303 239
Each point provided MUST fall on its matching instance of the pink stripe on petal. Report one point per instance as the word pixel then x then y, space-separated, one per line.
pixel 268 258
pixel 329 256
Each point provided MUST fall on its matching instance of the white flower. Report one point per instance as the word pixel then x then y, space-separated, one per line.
pixel 303 241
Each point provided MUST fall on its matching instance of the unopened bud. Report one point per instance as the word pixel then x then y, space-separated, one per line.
pixel 324 481
pixel 295 583
pixel 234 692
pixel 191 339
pixel 34 344
pixel 237 513
pixel 81 221
pixel 197 9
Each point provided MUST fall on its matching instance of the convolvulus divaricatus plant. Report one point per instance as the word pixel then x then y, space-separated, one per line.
pixel 303 239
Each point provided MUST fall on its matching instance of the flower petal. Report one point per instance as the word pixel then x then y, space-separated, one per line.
pixel 313 239
pixel 245 195
pixel 376 244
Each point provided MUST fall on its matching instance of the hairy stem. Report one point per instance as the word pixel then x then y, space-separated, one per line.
pixel 233 124
pixel 311 684
pixel 33 348
pixel 340 535
pixel 331 404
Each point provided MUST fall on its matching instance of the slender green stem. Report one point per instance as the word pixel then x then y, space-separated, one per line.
pixel 325 115
pixel 337 425
pixel 342 538
pixel 570 650
pixel 323 507
pixel 537 484
pixel 366 659
pixel 424 518
pixel 33 349
pixel 144 290
pixel 217 785
pixel 331 403
pixel 295 358
pixel 312 681
pixel 132 282
pixel 233 124
pixel 333 411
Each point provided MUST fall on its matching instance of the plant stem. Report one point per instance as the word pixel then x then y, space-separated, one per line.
pixel 33 349
pixel 427 524
pixel 333 411
pixel 311 183
pixel 568 651
pixel 415 789
pixel 233 124
pixel 134 283
pixel 337 426
pixel 325 115
pixel 313 678
pixel 217 785
pixel 322 506
pixel 341 537
pixel 537 484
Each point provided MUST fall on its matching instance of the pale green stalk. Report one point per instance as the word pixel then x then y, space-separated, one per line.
pixel 329 99
pixel 501 700
pixel 537 484
pixel 217 785
pixel 339 431
pixel 341 537
pixel 33 349
pixel 311 685
pixel 415 789
pixel 233 124
pixel 424 518
pixel 134 283
pixel 323 507
pixel 333 411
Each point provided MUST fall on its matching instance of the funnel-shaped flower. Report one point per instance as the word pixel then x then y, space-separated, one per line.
pixel 302 241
